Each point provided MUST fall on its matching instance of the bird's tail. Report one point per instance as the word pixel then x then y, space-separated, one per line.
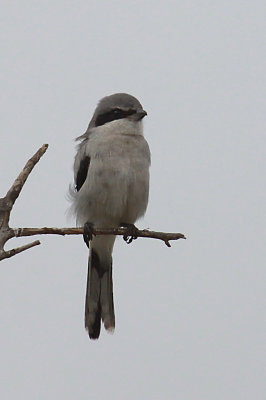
pixel 99 297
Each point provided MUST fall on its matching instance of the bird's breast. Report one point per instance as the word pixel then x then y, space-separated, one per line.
pixel 118 180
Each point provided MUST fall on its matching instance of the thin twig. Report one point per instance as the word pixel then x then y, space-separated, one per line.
pixel 15 189
pixel 164 236
pixel 10 253
pixel 7 202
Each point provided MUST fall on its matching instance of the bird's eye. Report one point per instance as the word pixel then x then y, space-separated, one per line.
pixel 116 111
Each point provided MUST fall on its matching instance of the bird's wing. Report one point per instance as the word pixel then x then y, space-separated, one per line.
pixel 82 172
pixel 82 162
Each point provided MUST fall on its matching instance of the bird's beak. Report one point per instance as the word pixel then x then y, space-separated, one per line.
pixel 141 114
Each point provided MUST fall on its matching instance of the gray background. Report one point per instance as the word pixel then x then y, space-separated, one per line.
pixel 189 318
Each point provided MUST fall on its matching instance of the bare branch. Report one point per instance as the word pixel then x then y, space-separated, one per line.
pixel 7 202
pixel 10 253
pixel 15 189
pixel 110 231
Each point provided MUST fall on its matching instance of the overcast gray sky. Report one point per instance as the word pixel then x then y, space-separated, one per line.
pixel 189 318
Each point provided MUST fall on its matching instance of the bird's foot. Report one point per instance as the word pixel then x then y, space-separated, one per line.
pixel 88 232
pixel 132 232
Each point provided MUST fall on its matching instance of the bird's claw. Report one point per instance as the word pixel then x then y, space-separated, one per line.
pixel 131 233
pixel 88 232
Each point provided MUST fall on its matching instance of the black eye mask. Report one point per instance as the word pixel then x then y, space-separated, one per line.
pixel 112 115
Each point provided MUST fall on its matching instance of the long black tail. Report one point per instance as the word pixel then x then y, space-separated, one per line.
pixel 99 297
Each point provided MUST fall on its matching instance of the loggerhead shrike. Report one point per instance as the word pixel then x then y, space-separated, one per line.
pixel 111 172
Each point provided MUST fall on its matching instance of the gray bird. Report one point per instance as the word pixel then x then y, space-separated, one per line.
pixel 111 172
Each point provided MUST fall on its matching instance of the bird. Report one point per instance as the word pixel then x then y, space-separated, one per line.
pixel 111 189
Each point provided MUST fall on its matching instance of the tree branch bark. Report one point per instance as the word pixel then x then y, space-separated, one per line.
pixel 10 253
pixel 7 202
pixel 145 233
